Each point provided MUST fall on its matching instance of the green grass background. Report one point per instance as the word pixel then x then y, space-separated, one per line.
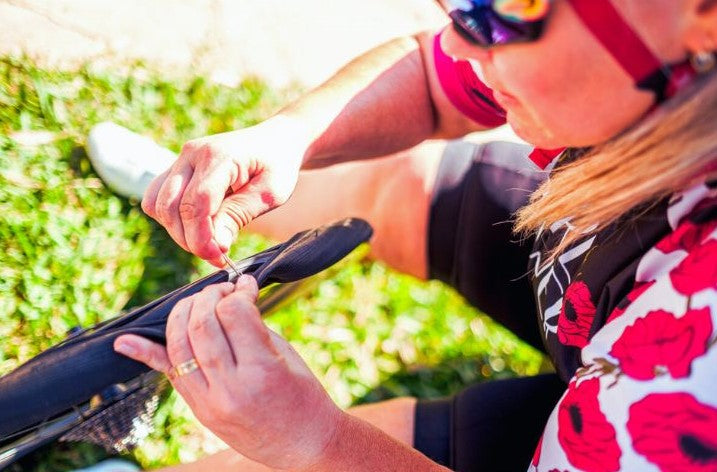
pixel 73 253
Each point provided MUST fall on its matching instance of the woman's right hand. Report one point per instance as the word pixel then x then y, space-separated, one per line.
pixel 220 183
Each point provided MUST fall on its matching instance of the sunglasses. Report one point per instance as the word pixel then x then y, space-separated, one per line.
pixel 489 23
pixel 495 22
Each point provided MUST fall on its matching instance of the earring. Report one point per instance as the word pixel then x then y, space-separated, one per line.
pixel 703 61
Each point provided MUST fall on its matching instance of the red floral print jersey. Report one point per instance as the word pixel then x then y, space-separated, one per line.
pixel 629 317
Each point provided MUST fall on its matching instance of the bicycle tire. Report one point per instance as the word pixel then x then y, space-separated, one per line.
pixel 59 381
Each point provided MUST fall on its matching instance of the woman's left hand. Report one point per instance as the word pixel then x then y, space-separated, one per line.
pixel 251 388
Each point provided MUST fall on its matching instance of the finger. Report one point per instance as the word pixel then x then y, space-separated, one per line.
pixel 239 209
pixel 246 286
pixel 179 349
pixel 149 200
pixel 209 343
pixel 145 351
pixel 201 201
pixel 219 262
pixel 169 198
pixel 240 319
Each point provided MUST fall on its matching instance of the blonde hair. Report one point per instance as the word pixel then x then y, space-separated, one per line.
pixel 663 154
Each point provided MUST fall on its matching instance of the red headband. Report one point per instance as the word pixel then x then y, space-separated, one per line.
pixel 629 50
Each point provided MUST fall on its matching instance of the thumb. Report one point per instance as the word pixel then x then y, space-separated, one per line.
pixel 238 210
pixel 145 351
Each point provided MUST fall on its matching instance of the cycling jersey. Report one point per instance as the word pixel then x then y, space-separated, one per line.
pixel 627 315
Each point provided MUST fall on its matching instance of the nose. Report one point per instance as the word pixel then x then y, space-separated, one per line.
pixel 459 48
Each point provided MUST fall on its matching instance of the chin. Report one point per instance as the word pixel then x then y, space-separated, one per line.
pixel 545 137
pixel 535 135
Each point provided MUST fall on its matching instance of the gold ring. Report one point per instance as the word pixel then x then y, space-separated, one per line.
pixel 186 367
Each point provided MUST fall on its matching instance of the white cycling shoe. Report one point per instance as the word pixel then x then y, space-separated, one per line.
pixel 126 161
pixel 111 465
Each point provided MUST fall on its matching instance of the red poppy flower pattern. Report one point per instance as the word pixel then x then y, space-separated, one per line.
pixel 675 432
pixel 536 455
pixel 639 289
pixel 576 315
pixel 661 342
pixel 686 236
pixel 645 395
pixel 587 438
pixel 697 271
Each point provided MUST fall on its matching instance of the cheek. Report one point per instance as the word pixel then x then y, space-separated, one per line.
pixel 569 89
pixel 534 114
pixel 571 101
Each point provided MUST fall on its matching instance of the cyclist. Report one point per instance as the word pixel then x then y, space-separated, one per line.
pixel 616 199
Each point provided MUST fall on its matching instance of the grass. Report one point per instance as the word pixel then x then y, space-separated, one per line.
pixel 73 253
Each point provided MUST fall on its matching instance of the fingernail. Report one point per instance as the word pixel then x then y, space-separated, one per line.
pixel 223 237
pixel 220 262
pixel 125 348
pixel 245 281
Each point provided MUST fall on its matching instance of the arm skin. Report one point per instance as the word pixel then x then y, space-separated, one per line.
pixel 358 445
pixel 373 190
pixel 357 119
pixel 253 390
pixel 385 101
pixel 394 417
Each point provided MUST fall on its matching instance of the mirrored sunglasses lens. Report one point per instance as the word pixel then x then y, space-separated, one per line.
pixel 521 10
pixel 479 22
pixel 487 29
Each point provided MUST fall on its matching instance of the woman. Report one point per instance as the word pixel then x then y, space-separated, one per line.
pixel 619 100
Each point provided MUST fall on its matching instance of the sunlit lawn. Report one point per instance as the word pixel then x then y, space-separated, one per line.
pixel 74 253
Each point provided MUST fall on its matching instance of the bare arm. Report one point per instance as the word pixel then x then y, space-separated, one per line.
pixel 385 101
pixel 361 446
pixel 269 407
pixel 392 193
pixel 394 417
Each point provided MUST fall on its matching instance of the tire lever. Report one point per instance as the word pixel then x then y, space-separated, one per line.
pixel 232 265
pixel 229 262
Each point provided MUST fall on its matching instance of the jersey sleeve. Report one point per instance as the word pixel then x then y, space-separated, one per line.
pixel 465 90
pixel 645 397
pixel 471 245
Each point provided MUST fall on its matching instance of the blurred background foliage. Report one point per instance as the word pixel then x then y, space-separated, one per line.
pixel 73 253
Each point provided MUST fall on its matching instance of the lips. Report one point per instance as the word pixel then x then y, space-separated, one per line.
pixel 500 96
pixel 504 99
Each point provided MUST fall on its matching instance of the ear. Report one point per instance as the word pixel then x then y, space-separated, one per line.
pixel 702 30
